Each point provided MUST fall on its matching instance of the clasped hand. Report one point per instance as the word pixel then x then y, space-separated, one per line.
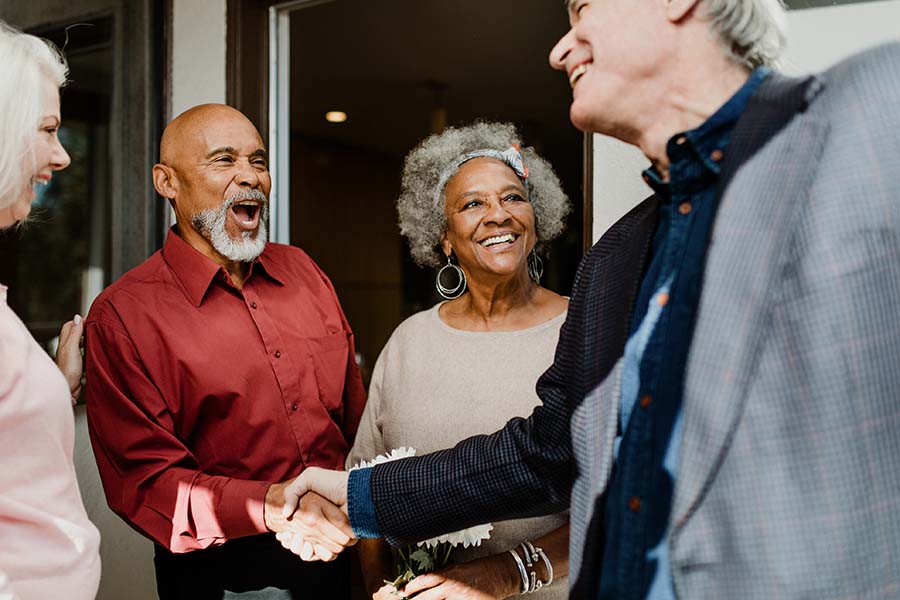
pixel 309 514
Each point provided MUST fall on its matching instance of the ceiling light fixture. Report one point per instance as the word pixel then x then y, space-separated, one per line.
pixel 335 116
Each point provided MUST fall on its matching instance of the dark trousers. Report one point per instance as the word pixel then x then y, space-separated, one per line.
pixel 248 564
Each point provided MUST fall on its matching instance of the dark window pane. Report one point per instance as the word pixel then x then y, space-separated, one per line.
pixel 57 262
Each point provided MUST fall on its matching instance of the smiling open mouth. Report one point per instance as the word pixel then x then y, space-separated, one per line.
pixel 577 73
pixel 507 238
pixel 246 214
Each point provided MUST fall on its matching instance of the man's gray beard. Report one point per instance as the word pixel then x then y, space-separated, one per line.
pixel 211 225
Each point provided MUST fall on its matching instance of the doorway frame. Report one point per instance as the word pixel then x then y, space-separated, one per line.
pixel 258 56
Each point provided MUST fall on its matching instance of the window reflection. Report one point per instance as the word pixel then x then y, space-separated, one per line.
pixel 58 262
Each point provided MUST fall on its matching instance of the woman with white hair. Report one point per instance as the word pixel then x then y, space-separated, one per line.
pixel 476 203
pixel 48 547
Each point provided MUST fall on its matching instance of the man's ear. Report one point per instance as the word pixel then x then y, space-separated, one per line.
pixel 676 10
pixel 165 181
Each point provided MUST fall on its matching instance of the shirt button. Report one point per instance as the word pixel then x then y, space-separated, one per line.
pixel 634 504
pixel 716 155
pixel 662 299
pixel 645 401
pixel 278 354
pixel 253 305
pixel 685 208
pixel 295 406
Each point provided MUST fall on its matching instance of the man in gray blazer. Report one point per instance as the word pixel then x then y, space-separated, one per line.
pixel 723 412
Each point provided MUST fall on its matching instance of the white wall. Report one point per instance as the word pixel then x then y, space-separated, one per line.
pixel 618 186
pixel 820 37
pixel 198 58
pixel 198 53
pixel 817 38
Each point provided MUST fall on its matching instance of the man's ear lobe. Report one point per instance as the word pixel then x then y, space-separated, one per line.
pixel 164 181
pixel 676 10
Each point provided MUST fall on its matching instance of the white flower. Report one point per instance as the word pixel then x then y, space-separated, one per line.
pixel 395 454
pixel 473 536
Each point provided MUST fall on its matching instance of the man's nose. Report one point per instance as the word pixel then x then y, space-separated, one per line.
pixel 247 175
pixel 561 50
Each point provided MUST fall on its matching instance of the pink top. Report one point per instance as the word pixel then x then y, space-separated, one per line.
pixel 48 547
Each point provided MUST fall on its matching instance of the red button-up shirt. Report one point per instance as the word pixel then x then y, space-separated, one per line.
pixel 200 395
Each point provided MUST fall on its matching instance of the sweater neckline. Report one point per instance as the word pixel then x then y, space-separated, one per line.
pixel 557 320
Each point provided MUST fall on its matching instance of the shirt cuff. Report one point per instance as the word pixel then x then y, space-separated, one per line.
pixel 360 507
pixel 242 510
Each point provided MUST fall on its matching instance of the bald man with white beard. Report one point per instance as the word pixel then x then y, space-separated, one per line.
pixel 217 371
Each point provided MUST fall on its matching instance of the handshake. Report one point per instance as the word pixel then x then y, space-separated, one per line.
pixel 309 514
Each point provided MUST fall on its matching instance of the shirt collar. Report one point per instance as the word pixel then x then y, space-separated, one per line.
pixel 272 268
pixel 196 272
pixel 708 141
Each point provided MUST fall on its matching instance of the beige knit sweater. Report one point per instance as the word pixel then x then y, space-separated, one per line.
pixel 434 385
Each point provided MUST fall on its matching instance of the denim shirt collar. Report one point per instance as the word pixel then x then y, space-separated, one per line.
pixel 706 144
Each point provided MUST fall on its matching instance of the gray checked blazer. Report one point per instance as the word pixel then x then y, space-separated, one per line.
pixel 789 480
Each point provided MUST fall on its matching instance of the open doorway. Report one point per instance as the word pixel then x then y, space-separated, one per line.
pixel 399 70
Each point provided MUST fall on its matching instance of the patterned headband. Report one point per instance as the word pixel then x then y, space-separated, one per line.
pixel 511 156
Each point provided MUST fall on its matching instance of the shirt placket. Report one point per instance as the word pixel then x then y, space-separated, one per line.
pixel 639 480
pixel 284 370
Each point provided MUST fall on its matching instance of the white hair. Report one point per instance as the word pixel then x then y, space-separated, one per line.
pixel 424 225
pixel 753 31
pixel 210 224
pixel 26 62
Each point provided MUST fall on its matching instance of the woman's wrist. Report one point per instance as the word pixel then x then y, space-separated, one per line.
pixel 507 575
pixel 533 567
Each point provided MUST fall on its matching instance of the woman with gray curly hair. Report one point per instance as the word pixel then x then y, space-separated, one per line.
pixel 474 202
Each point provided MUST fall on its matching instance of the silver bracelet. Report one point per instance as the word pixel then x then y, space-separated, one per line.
pixel 532 554
pixel 530 560
pixel 525 552
pixel 549 566
pixel 522 572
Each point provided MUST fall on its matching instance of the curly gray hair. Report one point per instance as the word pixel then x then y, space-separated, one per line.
pixel 752 31
pixel 424 225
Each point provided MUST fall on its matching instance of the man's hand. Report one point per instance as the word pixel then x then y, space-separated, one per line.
pixel 319 498
pixel 316 530
pixel 331 485
pixel 68 355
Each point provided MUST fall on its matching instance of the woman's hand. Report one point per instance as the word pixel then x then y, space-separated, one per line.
pixel 68 355
pixel 488 578
pixel 387 592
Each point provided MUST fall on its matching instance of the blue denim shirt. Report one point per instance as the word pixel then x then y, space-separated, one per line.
pixel 636 562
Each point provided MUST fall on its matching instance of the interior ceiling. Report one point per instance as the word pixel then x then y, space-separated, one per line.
pixel 374 60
